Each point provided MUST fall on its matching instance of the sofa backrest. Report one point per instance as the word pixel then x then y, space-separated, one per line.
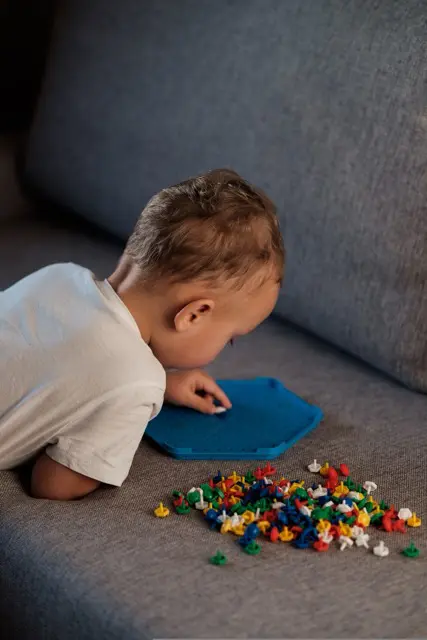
pixel 321 103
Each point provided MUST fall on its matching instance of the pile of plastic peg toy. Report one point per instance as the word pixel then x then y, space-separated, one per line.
pixel 334 510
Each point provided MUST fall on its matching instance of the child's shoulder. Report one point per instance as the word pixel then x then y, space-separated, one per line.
pixel 49 280
pixel 80 323
pixel 56 295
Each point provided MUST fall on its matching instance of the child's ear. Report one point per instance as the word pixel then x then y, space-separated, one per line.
pixel 193 314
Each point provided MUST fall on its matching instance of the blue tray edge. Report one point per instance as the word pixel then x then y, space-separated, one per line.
pixel 187 454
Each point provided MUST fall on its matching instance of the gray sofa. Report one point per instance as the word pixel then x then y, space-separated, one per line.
pixel 323 104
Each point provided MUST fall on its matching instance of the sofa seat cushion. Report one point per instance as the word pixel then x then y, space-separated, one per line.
pixel 30 242
pixel 105 567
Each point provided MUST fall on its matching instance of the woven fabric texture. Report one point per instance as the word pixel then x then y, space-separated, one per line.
pixel 106 567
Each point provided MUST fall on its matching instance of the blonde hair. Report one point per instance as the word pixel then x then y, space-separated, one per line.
pixel 212 227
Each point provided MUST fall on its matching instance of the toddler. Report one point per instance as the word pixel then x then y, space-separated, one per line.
pixel 85 364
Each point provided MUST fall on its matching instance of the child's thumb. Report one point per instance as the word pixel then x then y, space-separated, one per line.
pixel 203 404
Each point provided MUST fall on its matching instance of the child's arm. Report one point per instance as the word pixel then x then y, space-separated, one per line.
pixel 104 440
pixel 98 445
pixel 53 481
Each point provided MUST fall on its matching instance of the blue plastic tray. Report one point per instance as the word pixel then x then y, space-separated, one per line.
pixel 266 419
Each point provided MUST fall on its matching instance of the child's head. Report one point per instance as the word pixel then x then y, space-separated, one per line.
pixel 203 266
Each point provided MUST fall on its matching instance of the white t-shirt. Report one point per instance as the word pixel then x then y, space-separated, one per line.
pixel 75 375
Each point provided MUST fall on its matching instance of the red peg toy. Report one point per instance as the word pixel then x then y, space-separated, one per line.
pixel 296 529
pixel 320 545
pixel 270 516
pixel 344 470
pixel 386 524
pixel 398 525
pixel 331 484
pixel 259 474
pixel 332 481
pixel 268 470
pixel 334 531
pixel 390 513
pixel 332 474
pixel 273 534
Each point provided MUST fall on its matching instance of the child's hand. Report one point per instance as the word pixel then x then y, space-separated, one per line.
pixel 194 389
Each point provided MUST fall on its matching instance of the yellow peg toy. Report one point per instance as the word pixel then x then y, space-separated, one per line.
pixel 161 511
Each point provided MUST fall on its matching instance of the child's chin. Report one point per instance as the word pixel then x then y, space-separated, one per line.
pixel 188 364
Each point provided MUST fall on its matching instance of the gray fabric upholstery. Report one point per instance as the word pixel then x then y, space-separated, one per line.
pixel 30 243
pixel 321 103
pixel 105 567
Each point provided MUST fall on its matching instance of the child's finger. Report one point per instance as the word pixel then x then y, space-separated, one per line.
pixel 203 404
pixel 210 386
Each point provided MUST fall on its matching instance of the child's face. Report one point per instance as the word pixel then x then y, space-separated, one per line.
pixel 203 327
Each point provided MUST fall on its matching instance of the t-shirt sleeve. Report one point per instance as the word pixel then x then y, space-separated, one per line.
pixel 101 441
